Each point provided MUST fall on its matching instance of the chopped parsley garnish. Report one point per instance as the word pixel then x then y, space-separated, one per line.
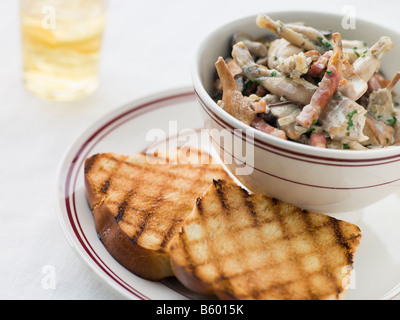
pixel 350 116
pixel 330 72
pixel 346 146
pixel 325 43
pixel 355 51
pixel 309 132
pixel 351 124
pixel 338 96
pixel 273 74
pixel 392 121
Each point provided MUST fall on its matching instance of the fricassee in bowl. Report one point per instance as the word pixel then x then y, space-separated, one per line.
pixel 318 99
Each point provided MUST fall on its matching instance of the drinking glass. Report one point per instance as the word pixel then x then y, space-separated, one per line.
pixel 61 46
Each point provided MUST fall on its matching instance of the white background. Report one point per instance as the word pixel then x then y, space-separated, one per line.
pixel 148 47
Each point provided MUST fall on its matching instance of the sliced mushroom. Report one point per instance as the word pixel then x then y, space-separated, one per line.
pixel 256 48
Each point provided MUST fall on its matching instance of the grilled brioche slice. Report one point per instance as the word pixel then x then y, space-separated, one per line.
pixel 138 207
pixel 240 246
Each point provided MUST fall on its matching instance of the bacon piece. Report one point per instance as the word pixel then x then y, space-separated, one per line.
pixel 327 87
pixel 317 139
pixel 318 67
pixel 261 125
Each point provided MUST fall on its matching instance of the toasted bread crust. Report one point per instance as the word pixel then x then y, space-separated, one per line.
pixel 126 217
pixel 149 264
pixel 241 246
pixel 184 271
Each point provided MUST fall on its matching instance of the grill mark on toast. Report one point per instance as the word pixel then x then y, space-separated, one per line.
pixel 90 162
pixel 250 206
pixel 341 241
pixel 110 189
pixel 282 288
pixel 102 193
pixel 199 178
pixel 304 276
pixel 149 214
pixel 248 202
pixel 170 175
pixel 310 231
pixel 311 228
pixel 190 264
pixel 135 238
pixel 123 206
pixel 105 186
pixel 227 286
pixel 218 184
pixel 199 206
pixel 168 236
pixel 286 236
pixel 279 217
pixel 353 239
pixel 193 265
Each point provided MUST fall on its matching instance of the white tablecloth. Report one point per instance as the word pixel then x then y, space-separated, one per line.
pixel 148 47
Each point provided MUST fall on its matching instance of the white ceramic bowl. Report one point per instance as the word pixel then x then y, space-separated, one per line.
pixel 329 181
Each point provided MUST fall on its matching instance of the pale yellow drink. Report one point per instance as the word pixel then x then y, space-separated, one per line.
pixel 61 45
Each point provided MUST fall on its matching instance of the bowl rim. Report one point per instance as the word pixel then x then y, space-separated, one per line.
pixel 262 139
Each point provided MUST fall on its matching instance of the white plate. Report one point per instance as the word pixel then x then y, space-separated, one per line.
pixel 138 125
